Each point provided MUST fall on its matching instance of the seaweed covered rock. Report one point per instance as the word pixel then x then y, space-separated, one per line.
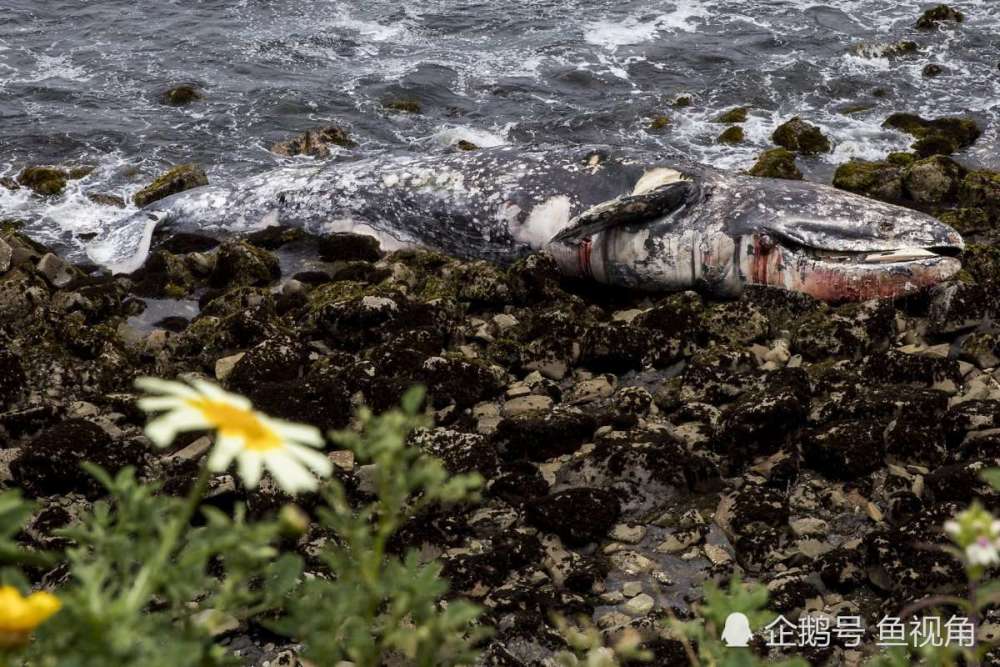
pixel 845 450
pixel 731 135
pixel 851 330
pixel 163 275
pixel 12 379
pixel 539 436
pixel 45 181
pixel 578 516
pixel 734 115
pixel 239 264
pixel 777 163
pixel 798 135
pixel 935 16
pixel 981 189
pixel 878 180
pixel 938 136
pixel 180 96
pixel 177 179
pixel 346 247
pixel 934 180
pixel 50 463
pixel 959 307
pixel 315 143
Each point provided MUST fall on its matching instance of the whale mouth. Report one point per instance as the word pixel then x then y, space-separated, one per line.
pixel 848 275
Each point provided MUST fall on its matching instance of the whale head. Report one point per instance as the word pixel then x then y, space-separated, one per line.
pixel 719 232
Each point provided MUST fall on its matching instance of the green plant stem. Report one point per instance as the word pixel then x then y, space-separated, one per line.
pixel 139 594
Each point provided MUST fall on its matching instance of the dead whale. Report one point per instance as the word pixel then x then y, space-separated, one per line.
pixel 619 216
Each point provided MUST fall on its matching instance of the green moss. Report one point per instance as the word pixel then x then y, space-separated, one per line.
pixel 777 163
pixel 10 225
pixel 936 15
pixel 178 179
pixel 174 291
pixel 82 171
pixel 404 105
pixel 682 102
pixel 981 189
pixel 731 135
pixel 734 115
pixel 659 122
pixel 967 220
pixel 873 179
pixel 179 96
pixel 798 135
pixel 982 262
pixel 45 181
pixel 336 292
pixel 901 159
pixel 962 132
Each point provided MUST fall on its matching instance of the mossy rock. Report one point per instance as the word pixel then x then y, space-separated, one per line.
pixel 967 221
pixel 180 96
pixel 177 179
pixel 982 262
pixel 315 143
pixel 933 17
pixel 404 105
pixel 798 135
pixel 45 181
pixel 981 189
pixel 934 180
pixel 9 183
pixel 901 158
pixel 882 50
pixel 962 132
pixel 464 145
pixel 777 163
pixel 734 115
pixel 731 135
pixel 880 180
pixel 240 264
pixel 682 102
pixel 660 122
pixel 103 199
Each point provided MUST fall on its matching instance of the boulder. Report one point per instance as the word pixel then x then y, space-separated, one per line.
pixel 879 180
pixel 45 181
pixel 734 115
pixel 935 16
pixel 177 179
pixel 934 180
pixel 578 516
pixel 180 96
pixel 239 264
pixel 798 135
pixel 777 163
pixel 314 143
pixel 731 135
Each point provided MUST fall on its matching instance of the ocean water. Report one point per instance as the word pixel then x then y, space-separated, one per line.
pixel 80 81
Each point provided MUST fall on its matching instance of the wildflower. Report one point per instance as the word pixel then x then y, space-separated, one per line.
pixel 982 552
pixel 19 615
pixel 253 439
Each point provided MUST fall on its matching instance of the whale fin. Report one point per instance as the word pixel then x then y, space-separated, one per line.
pixel 627 209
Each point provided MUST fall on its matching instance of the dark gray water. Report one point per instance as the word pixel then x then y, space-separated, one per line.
pixel 80 80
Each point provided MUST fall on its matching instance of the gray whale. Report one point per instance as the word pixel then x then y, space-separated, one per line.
pixel 620 216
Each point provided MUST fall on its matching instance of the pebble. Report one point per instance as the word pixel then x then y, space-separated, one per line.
pixel 591 390
pixel 224 366
pixel 809 526
pixel 628 534
pixel 640 605
pixel 55 269
pixel 631 562
pixel 717 555
pixel 504 322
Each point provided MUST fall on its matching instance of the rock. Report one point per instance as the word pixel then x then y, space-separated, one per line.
pixel 314 143
pixel 981 189
pixel 177 179
pixel 809 526
pixel 681 102
pixel 891 50
pixel 57 271
pixel 50 463
pixel 776 163
pixel 735 115
pixel 627 533
pixel 956 307
pixel 640 605
pixel 659 122
pixel 879 180
pixel 798 135
pixel 45 181
pixel 591 390
pixel 346 247
pixel 845 450
pixel 180 96
pixel 12 379
pixel 103 199
pixel 578 516
pixel 935 16
pixel 540 437
pixel 731 135
pixel 464 145
pixel 934 180
pixel 239 264
pixel 460 452
pixel 404 105
pixel 940 135
pixel 525 405
pixel 224 366
pixel 163 275
pixel 981 349
pixel 932 70
pixel 6 256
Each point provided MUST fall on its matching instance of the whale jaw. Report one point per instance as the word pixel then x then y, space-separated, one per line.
pixel 846 276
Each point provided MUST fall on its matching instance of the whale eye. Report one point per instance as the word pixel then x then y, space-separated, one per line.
pixel 765 243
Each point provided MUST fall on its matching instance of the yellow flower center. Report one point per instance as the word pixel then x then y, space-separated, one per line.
pixel 231 421
pixel 20 615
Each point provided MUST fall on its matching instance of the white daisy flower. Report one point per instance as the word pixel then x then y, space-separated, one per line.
pixel 256 441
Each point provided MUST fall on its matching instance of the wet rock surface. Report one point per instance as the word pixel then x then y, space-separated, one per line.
pixel 633 445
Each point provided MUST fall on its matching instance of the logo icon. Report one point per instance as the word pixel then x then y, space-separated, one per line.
pixel 737 631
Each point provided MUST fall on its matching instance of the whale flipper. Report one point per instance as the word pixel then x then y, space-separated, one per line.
pixel 628 209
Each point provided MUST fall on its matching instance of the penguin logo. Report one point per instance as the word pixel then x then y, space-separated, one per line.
pixel 737 631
